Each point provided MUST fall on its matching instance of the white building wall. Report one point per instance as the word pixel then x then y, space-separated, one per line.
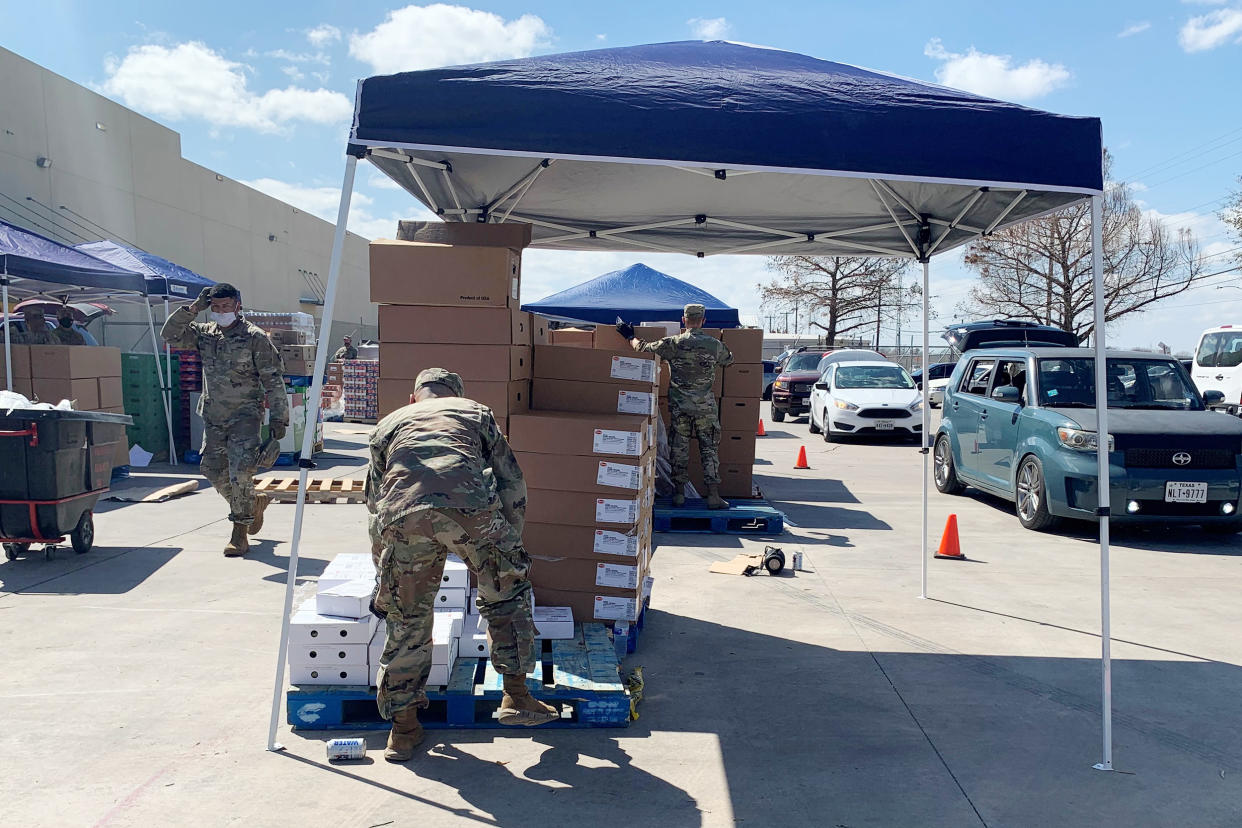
pixel 116 174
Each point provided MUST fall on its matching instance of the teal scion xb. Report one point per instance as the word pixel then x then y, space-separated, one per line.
pixel 1020 423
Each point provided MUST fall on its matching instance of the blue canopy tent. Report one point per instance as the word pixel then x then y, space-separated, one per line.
pixel 709 148
pixel 163 278
pixel 34 265
pixel 636 294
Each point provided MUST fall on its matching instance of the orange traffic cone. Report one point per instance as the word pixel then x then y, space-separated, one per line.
pixel 801 464
pixel 950 547
pixel 761 432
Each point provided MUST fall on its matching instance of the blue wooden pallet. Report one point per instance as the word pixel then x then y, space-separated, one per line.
pixel 626 642
pixel 749 517
pixel 579 675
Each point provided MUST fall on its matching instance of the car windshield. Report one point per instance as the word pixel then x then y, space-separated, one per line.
pixel 1220 350
pixel 872 376
pixel 805 361
pixel 1132 383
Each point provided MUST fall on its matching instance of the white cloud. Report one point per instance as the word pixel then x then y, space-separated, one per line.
pixel 299 57
pixel 995 76
pixel 601 37
pixel 323 34
pixel 1207 31
pixel 190 81
pixel 1134 28
pixel 422 37
pixel 294 73
pixel 379 181
pixel 709 28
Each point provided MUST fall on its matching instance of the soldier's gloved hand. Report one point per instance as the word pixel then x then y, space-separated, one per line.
pixel 278 430
pixel 203 302
pixel 626 330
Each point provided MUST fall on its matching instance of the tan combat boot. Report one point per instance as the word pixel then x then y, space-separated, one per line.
pixel 406 734
pixel 237 545
pixel 714 500
pixel 260 505
pixel 519 707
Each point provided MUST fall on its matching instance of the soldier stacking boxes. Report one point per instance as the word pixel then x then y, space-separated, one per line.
pixel 448 298
pixel 587 452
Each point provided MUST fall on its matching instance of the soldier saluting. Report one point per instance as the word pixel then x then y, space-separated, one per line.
pixel 693 358
pixel 241 367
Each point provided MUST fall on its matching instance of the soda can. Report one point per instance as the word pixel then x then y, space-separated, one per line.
pixel 344 750
pixel 797 561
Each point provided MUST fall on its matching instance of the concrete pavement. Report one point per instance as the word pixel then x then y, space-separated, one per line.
pixel 138 677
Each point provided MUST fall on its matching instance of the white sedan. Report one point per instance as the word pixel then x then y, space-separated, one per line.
pixel 870 398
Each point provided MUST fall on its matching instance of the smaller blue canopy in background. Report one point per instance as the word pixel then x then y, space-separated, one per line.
pixel 636 294
pixel 37 264
pixel 163 278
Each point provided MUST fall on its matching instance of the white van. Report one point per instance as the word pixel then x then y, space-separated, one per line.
pixel 1218 365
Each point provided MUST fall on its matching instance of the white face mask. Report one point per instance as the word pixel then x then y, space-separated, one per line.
pixel 224 320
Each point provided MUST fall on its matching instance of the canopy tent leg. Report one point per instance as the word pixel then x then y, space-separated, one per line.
pixel 308 440
pixel 926 427
pixel 168 359
pixel 167 395
pixel 1103 480
pixel 8 342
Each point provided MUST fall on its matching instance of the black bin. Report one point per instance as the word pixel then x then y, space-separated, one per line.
pixel 54 465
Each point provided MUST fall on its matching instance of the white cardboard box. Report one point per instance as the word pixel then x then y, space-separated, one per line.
pixel 330 674
pixel 308 626
pixel 474 643
pixel 472 605
pixel 451 598
pixel 327 653
pixel 351 599
pixel 456 575
pixel 347 566
pixel 554 622
pixel 376 648
pixel 456 617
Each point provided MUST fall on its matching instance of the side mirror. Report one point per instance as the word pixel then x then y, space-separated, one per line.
pixel 823 386
pixel 1213 397
pixel 1007 394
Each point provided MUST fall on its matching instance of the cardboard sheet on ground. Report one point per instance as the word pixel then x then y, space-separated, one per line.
pixel 740 565
pixel 154 494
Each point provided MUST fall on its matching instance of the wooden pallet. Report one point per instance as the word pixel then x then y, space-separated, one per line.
pixel 318 489
pixel 579 675
pixel 743 517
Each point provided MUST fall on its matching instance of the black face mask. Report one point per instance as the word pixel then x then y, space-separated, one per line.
pixel 66 323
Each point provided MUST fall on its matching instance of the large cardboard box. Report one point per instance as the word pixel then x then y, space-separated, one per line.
pixel 600 604
pixel 418 273
pixel 83 392
pixel 73 361
pixel 297 353
pixel 540 333
pixel 467 326
pixel 739 414
pixel 110 394
pixel 594 365
pixel 615 397
pixel 503 398
pixel 578 473
pixel 571 337
pixel 744 379
pixel 735 480
pixel 21 361
pixel 746 344
pixel 299 367
pixel 736 448
pixel 587 542
pixel 485 363
pixel 513 234
pixel 607 338
pixel 598 435
pixel 621 513
pixel 581 575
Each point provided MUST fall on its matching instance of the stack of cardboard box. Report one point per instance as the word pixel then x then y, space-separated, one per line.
pixel 587 450
pixel 739 393
pixel 451 301
pixel 360 388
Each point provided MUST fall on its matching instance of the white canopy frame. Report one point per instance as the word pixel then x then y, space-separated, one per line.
pixel 921 246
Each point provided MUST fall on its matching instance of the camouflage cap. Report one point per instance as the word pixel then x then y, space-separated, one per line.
pixel 443 377
pixel 694 311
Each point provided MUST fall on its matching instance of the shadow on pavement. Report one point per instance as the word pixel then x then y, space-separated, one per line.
pixel 70 574
pixel 264 551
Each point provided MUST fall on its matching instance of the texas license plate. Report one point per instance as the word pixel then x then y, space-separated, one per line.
pixel 883 425
pixel 1185 492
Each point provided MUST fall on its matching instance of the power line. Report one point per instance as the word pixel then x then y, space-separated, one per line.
pixel 56 217
pixel 1192 170
pixel 51 231
pixel 1192 152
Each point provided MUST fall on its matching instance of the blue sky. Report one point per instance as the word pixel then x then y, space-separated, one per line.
pixel 262 93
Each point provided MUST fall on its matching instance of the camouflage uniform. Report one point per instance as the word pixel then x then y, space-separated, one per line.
pixel 693 358
pixel 34 335
pixel 68 336
pixel 345 352
pixel 442 479
pixel 241 367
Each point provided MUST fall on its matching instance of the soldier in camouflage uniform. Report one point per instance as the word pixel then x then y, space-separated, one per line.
pixel 346 351
pixel 442 479
pixel 64 333
pixel 693 358
pixel 36 329
pixel 241 367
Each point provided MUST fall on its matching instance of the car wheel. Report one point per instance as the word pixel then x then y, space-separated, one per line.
pixel 1032 497
pixel 767 393
pixel 810 423
pixel 829 436
pixel 944 472
pixel 778 415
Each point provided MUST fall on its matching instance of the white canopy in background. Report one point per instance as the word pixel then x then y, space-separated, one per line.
pixel 720 148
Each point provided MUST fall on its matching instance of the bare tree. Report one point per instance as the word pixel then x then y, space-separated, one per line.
pixel 1041 269
pixel 1232 215
pixel 844 292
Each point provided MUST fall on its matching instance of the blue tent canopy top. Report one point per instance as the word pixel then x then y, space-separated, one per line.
pixel 163 278
pixel 33 264
pixel 636 294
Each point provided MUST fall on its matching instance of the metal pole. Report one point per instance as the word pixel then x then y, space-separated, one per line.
pixel 926 428
pixel 155 352
pixel 308 440
pixel 8 323
pixel 168 354
pixel 1103 479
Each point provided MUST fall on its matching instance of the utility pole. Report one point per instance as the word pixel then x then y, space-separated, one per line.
pixel 879 305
